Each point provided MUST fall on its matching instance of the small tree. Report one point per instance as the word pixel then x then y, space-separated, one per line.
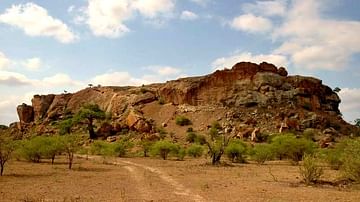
pixel 146 146
pixel 87 114
pixel 182 121
pixel 65 126
pixel 351 160
pixel 216 143
pixel 7 146
pixel 310 169
pixel 357 122
pixel 235 151
pixel 70 143
pixel 261 153
pixel 337 89
pixel 163 148
pixel 195 150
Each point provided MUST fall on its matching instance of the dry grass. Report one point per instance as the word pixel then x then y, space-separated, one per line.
pixel 139 179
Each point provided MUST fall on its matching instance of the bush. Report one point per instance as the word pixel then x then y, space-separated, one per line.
pixel 288 146
pixel 181 153
pixel 40 147
pixel 195 150
pixel 261 153
pixel 118 149
pixel 163 149
pixel 309 134
pixel 351 160
pixel 102 148
pixel 200 139
pixel 191 137
pixel 310 169
pixel 333 157
pixel 182 121
pixel 146 146
pixel 235 151
pixel 7 146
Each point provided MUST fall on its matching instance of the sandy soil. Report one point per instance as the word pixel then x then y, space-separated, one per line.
pixel 140 179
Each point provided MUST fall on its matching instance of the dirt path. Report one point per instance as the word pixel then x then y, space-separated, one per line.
pixel 153 183
pixel 178 189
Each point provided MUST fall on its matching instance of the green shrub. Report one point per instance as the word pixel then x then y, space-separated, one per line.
pixel 235 151
pixel 200 139
pixel 40 147
pixel 310 170
pixel 181 153
pixel 163 148
pixel 118 149
pixel 290 147
pixel 182 121
pixel 100 147
pixel 146 146
pixel 65 126
pixel 309 134
pixel 191 137
pixel 333 157
pixel 195 150
pixel 261 153
pixel 351 160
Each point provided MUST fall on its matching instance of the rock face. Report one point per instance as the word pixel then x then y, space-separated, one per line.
pixel 41 104
pixel 25 113
pixel 259 92
pixel 249 84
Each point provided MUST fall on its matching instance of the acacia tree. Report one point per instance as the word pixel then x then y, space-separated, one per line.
pixel 88 114
pixel 70 145
pixel 7 146
pixel 216 143
pixel 357 122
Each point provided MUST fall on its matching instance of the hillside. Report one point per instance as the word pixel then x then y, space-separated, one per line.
pixel 246 98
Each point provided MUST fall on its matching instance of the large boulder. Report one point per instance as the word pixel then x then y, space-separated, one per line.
pixel 41 104
pixel 137 122
pixel 25 113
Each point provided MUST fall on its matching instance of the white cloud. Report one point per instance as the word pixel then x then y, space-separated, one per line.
pixel 251 23
pixel 4 61
pixel 313 42
pixel 164 70
pixel 267 8
pixel 13 79
pixel 153 8
pixel 60 79
pixel 117 79
pixel 350 105
pixel 33 64
pixel 188 15
pixel 228 62
pixel 107 17
pixel 34 20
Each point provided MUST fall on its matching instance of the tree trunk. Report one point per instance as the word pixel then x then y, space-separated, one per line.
pixel 2 169
pixel 71 157
pixel 91 129
pixel 52 160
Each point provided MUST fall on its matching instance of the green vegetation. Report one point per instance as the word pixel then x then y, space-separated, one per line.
pixel 310 169
pixel 163 148
pixel 7 146
pixel 70 145
pixel 146 146
pixel 351 160
pixel 191 137
pixel 357 122
pixel 182 121
pixel 290 147
pixel 195 150
pixel 117 149
pixel 235 151
pixel 88 114
pixel 261 153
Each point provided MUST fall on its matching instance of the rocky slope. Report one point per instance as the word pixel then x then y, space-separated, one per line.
pixel 242 98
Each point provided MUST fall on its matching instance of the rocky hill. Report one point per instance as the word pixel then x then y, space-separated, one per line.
pixel 245 98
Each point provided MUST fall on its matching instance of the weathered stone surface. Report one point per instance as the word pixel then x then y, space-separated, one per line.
pixel 41 104
pixel 105 130
pixel 245 88
pixel 25 113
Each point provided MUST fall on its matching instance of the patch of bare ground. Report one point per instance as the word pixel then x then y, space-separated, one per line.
pixel 147 179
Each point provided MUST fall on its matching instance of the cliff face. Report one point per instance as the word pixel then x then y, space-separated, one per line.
pixel 232 96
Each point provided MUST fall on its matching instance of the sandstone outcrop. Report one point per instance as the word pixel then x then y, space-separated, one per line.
pixel 253 95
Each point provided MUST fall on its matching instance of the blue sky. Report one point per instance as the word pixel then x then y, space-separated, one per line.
pixel 52 46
